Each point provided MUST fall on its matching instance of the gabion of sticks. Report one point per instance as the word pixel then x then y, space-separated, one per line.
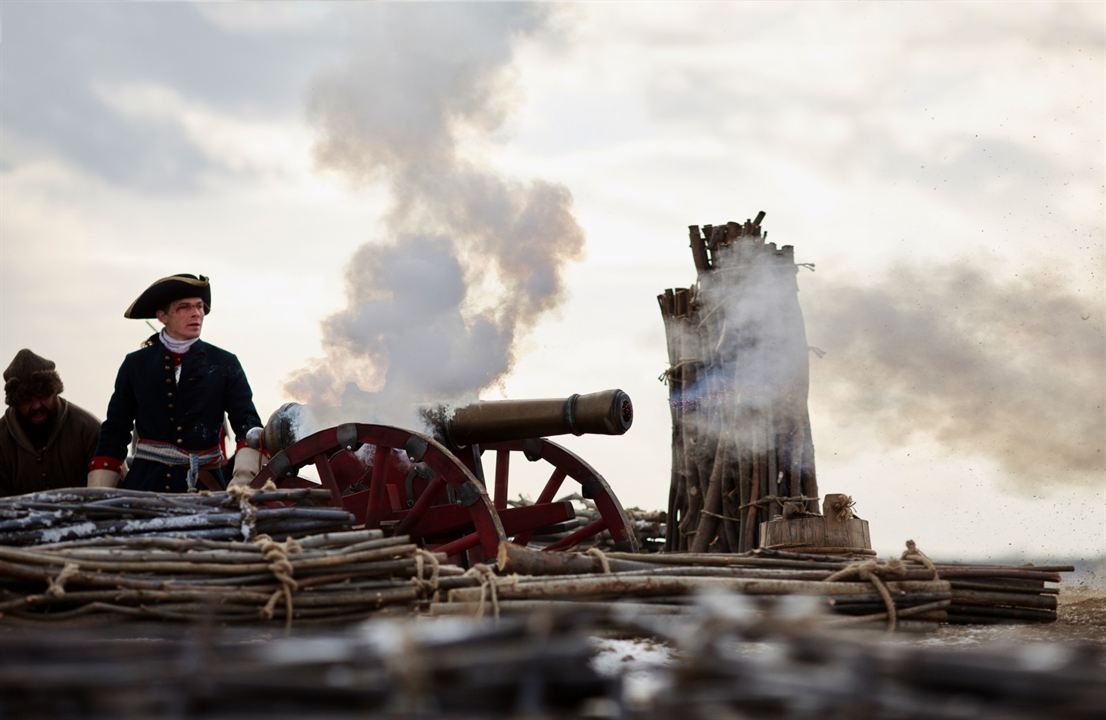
pixel 738 377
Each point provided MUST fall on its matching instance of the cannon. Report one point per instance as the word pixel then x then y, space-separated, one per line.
pixel 431 485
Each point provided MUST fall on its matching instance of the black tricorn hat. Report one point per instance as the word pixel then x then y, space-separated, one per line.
pixel 166 290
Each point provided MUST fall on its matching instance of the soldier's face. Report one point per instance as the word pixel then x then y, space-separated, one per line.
pixel 37 411
pixel 185 318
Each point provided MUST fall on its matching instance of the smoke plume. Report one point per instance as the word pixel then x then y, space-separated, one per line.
pixel 468 259
pixel 1013 370
pixel 762 338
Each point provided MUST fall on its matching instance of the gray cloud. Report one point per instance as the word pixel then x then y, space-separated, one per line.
pixel 1011 370
pixel 54 56
pixel 902 95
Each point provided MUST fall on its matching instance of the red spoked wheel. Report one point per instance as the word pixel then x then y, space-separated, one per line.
pixel 400 481
pixel 566 464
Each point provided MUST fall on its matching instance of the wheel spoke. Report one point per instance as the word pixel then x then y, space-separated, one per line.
pixel 459 545
pixel 592 528
pixel 502 466
pixel 552 485
pixel 375 506
pixel 326 476
pixel 421 505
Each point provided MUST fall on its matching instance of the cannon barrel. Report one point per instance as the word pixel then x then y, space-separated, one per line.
pixel 608 412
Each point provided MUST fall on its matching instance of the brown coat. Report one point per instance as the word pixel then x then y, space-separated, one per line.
pixel 62 463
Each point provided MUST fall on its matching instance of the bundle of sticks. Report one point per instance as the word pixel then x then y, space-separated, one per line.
pixel 738 379
pixel 82 513
pixel 389 668
pixel 648 525
pixel 330 577
pixel 913 593
pixel 994 594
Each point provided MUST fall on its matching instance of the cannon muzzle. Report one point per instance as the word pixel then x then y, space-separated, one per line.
pixel 609 412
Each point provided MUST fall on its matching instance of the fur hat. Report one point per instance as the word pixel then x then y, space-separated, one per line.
pixel 166 290
pixel 30 376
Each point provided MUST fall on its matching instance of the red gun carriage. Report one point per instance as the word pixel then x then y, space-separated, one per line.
pixel 431 486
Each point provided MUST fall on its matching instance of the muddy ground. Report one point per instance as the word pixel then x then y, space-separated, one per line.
pixel 1081 617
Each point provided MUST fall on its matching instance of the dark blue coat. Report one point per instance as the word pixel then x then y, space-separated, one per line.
pixel 188 413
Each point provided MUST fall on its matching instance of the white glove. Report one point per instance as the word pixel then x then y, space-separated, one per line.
pixel 103 478
pixel 247 463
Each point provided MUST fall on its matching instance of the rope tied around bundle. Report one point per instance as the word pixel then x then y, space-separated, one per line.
pixel 56 587
pixel 665 376
pixel 781 499
pixel 276 555
pixel 720 516
pixel 489 583
pixel 602 557
pixel 872 571
pixel 243 493
pixel 427 587
pixel 913 553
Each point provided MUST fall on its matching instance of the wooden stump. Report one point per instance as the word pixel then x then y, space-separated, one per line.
pixel 835 529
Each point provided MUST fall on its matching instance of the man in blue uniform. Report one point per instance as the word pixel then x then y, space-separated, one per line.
pixel 174 392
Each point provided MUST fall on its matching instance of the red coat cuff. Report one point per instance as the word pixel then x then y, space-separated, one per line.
pixel 105 462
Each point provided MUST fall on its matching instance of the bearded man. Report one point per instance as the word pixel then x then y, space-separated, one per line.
pixel 175 393
pixel 46 442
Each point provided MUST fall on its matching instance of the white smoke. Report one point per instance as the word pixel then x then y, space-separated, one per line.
pixel 468 259
pixel 762 339
pixel 749 336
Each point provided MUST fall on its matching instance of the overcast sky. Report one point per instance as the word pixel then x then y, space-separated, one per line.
pixel 402 199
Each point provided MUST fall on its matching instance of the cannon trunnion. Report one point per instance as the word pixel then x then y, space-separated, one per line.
pixel 433 488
